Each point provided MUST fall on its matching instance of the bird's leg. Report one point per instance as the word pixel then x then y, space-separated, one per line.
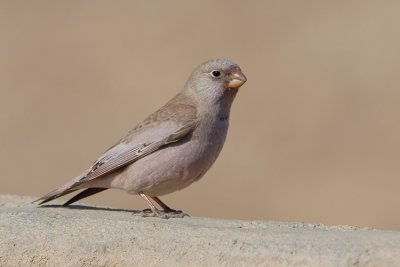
pixel 163 205
pixel 168 211
pixel 156 212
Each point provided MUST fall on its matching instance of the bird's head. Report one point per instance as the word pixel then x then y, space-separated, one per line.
pixel 215 78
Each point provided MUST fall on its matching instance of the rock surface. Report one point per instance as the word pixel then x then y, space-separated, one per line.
pixel 94 236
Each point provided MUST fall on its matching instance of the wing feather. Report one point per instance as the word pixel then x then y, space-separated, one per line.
pixel 124 154
pixel 169 124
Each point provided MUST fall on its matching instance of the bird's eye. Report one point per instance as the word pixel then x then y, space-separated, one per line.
pixel 216 73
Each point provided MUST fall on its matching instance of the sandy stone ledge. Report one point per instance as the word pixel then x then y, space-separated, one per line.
pixel 96 236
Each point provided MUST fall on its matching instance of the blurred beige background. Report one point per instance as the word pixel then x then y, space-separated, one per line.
pixel 315 132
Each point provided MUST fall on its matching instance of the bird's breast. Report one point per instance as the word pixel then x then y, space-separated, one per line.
pixel 209 140
pixel 179 164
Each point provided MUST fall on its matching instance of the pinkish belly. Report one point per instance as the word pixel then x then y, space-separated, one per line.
pixel 166 170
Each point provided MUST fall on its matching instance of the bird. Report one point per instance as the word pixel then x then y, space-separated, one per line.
pixel 171 148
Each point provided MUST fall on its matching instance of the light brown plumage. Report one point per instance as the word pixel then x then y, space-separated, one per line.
pixel 172 147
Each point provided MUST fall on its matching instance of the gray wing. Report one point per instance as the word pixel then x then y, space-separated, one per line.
pixel 168 125
pixel 123 154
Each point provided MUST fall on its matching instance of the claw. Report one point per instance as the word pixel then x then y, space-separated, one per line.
pixel 162 214
pixel 166 213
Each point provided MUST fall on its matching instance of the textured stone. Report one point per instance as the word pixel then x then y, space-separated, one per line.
pixel 95 236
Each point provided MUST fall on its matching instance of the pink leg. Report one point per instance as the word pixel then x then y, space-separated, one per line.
pixel 163 205
pixel 153 208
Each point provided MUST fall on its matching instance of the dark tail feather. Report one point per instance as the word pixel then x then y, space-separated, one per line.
pixel 53 195
pixel 85 193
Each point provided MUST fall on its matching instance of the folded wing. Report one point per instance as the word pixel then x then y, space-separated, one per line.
pixel 157 131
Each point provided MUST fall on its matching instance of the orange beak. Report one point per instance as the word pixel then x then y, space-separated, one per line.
pixel 236 80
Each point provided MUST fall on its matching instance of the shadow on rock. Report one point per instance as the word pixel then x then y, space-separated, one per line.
pixel 83 207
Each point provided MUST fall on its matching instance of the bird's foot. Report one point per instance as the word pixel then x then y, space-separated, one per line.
pixel 164 214
pixel 149 213
pixel 170 213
